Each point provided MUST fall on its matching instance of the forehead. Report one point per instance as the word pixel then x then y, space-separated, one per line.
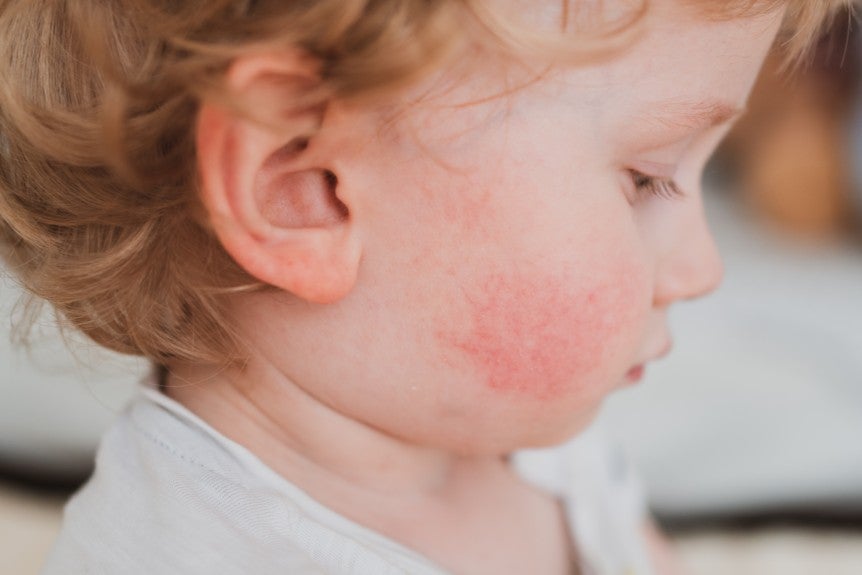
pixel 559 14
pixel 678 56
pixel 682 69
pixel 716 26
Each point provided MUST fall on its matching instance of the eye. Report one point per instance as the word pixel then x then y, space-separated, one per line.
pixel 655 187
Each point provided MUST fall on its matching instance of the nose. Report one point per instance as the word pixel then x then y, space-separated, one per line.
pixel 691 266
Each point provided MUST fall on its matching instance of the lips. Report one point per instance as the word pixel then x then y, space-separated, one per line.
pixel 661 351
pixel 664 351
pixel 636 373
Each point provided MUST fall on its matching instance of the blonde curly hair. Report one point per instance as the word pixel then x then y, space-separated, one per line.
pixel 99 213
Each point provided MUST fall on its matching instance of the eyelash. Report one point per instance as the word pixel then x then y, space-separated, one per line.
pixel 656 187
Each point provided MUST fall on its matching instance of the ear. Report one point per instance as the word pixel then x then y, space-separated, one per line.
pixel 267 185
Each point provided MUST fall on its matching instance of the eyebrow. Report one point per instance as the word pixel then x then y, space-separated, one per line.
pixel 698 115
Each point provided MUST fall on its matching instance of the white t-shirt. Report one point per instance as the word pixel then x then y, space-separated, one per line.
pixel 171 495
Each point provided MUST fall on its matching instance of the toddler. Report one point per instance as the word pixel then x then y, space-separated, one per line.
pixel 388 256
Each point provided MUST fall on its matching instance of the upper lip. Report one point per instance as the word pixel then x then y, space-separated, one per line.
pixel 660 353
pixel 665 350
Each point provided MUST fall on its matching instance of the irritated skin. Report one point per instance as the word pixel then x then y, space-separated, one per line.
pixel 533 335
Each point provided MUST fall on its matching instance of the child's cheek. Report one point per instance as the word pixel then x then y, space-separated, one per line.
pixel 547 336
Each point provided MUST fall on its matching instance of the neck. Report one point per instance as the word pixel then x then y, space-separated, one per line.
pixel 433 502
pixel 308 442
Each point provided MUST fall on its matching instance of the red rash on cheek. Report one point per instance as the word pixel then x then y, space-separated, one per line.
pixel 539 336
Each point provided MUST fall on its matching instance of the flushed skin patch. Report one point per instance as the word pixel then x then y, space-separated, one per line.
pixel 538 335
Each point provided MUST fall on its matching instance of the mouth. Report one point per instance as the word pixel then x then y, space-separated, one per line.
pixel 636 373
pixel 665 350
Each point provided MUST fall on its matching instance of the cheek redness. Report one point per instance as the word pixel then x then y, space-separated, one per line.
pixel 540 336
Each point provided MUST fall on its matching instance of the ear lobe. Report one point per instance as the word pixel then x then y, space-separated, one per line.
pixel 272 202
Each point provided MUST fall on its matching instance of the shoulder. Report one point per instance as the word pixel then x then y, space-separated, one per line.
pixel 171 495
pixel 161 500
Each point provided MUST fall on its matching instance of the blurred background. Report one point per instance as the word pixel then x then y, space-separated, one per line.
pixel 748 437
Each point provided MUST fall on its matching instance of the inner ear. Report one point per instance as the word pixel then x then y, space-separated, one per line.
pixel 288 197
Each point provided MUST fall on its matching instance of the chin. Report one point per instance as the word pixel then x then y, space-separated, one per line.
pixel 550 433
pixel 564 435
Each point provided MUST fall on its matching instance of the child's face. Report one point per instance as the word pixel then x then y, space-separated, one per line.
pixel 513 273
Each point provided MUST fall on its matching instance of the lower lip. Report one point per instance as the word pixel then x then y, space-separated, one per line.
pixel 635 374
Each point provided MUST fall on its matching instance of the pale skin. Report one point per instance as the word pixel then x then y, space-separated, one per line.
pixel 482 274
